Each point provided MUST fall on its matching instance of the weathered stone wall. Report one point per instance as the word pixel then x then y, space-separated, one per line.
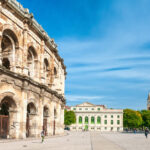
pixel 31 73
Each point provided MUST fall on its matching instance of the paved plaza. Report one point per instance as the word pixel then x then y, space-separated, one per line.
pixel 82 141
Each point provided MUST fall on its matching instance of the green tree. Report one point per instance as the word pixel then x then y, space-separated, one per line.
pixel 132 118
pixel 146 118
pixel 69 117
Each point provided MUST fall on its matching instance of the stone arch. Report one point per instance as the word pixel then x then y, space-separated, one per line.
pixel 31 122
pixel 32 61
pixel 31 108
pixel 46 119
pixel 46 111
pixel 46 70
pixel 9 47
pixel 10 27
pixel 8 109
pixel 8 104
pixel 10 95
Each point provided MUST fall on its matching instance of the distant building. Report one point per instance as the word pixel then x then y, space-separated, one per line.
pixel 148 102
pixel 97 118
pixel 67 108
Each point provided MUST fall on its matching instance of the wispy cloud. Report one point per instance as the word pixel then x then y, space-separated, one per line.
pixel 80 98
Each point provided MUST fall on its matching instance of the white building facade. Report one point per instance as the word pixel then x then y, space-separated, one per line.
pixel 97 118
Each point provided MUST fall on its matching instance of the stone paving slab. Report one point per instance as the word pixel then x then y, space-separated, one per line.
pixel 101 143
pixel 83 141
pixel 129 141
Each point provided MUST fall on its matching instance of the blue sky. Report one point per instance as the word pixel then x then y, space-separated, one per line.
pixel 105 45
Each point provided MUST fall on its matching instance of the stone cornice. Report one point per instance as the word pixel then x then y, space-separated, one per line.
pixel 101 112
pixel 29 18
pixel 3 70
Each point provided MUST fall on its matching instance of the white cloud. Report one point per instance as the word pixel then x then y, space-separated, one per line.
pixel 76 98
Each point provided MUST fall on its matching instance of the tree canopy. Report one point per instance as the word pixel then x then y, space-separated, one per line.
pixel 146 118
pixel 132 118
pixel 69 117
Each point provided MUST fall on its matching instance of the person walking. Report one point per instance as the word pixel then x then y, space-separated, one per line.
pixel 146 132
pixel 42 135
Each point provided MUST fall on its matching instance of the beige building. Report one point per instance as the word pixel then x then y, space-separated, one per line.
pixel 97 118
pixel 32 76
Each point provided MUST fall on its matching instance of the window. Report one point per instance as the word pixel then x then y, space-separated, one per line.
pixel 105 121
pixel 112 116
pixel 118 116
pixel 74 108
pixel 92 120
pixel 86 108
pixel 80 108
pixel 86 120
pixel 74 127
pixel 98 120
pixel 112 122
pixel 105 128
pixel 92 108
pixel 118 129
pixel 80 119
pixel 105 116
pixel 111 128
pixel 92 128
pixel 98 109
pixel 118 122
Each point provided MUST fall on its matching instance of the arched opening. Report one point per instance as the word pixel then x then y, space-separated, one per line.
pixel 92 120
pixel 46 70
pixel 9 45
pixel 55 71
pixel 7 117
pixel 80 120
pixel 32 62
pixel 6 63
pixel 86 120
pixel 45 120
pixel 98 120
pixel 31 120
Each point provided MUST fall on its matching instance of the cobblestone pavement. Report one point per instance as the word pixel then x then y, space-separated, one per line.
pixel 83 141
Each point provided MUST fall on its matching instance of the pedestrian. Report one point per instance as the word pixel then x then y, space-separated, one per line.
pixel 42 135
pixel 146 132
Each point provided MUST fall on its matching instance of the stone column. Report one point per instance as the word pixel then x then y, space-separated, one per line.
pixel 62 119
pixel 40 113
pixel 25 50
pixel 24 110
pixel 42 77
pixel 51 118
pixel 52 72
pixel 0 48
pixel 13 125
pixel 19 59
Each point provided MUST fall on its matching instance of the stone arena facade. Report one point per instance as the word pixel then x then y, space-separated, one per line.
pixel 97 118
pixel 32 76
